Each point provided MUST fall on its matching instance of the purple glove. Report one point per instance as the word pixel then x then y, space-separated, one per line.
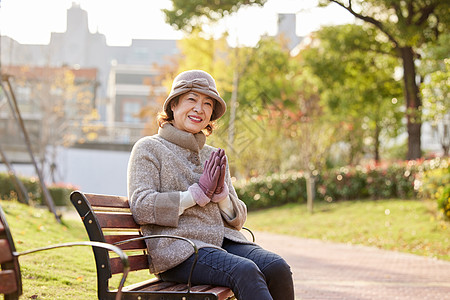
pixel 221 192
pixel 210 176
pixel 222 164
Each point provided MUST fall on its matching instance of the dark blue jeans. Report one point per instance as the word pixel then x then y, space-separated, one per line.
pixel 248 270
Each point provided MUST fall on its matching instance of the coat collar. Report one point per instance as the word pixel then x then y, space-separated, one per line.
pixel 194 142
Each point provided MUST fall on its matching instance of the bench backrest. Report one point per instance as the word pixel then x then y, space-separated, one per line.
pixel 10 276
pixel 108 219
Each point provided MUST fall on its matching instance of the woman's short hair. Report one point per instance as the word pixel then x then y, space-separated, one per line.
pixel 167 117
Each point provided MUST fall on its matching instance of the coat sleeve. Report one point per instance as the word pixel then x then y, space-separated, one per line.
pixel 239 207
pixel 147 204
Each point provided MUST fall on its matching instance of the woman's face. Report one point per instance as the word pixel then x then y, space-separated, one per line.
pixel 193 112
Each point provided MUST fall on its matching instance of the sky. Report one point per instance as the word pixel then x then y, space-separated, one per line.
pixel 32 21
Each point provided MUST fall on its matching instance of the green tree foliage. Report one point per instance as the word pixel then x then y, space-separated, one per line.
pixel 406 24
pixel 279 102
pixel 189 15
pixel 436 89
pixel 356 83
pixel 436 96
pixel 276 105
pixel 209 54
pixel 266 93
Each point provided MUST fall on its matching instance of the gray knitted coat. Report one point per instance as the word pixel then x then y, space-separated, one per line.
pixel 160 167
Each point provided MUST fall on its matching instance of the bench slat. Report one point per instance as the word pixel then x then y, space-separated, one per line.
pixel 201 288
pixel 141 285
pixel 222 292
pixel 158 286
pixel 135 245
pixel 107 201
pixel 116 220
pixel 177 288
pixel 137 262
pixel 5 252
pixel 8 282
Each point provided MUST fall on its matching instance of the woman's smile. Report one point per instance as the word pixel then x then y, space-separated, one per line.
pixel 195 119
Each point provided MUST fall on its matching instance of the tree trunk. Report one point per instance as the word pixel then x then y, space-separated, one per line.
pixel 413 103
pixel 16 113
pixel 377 143
pixel 445 139
pixel 310 191
pixel 233 103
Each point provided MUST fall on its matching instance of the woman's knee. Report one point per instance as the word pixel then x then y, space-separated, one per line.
pixel 249 282
pixel 277 270
pixel 247 269
pixel 279 280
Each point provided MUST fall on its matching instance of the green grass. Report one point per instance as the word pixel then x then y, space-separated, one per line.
pixel 65 273
pixel 401 225
pixel 69 273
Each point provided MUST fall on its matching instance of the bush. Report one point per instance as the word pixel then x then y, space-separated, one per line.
pixel 8 189
pixel 59 192
pixel 263 192
pixel 341 184
pixel 6 186
pixel 443 201
pixel 399 180
pixel 394 181
pixel 404 178
pixel 435 185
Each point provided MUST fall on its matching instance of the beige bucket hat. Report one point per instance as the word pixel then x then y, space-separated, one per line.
pixel 197 81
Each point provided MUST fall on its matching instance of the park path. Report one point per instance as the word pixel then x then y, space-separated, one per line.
pixel 324 270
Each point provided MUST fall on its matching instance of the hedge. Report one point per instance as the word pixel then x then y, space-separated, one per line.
pixel 262 192
pixel 435 185
pixel 427 179
pixel 59 192
pixel 399 180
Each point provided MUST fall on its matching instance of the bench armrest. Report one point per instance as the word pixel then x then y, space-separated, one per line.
pixel 253 236
pixel 169 237
pixel 117 250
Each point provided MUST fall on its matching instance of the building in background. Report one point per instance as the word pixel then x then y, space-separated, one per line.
pixel 130 88
pixel 77 47
pixel 287 30
pixel 51 100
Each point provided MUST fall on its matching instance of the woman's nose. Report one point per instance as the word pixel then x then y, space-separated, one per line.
pixel 198 107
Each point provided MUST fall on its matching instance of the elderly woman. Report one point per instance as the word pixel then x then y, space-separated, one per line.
pixel 178 185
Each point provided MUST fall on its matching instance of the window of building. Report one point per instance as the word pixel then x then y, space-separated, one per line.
pixel 130 109
pixel 23 94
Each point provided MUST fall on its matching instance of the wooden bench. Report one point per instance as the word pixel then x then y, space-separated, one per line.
pixel 108 219
pixel 10 275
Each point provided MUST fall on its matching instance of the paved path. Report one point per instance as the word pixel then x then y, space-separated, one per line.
pixel 338 271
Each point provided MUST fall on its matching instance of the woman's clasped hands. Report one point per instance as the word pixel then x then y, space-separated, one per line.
pixel 212 181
